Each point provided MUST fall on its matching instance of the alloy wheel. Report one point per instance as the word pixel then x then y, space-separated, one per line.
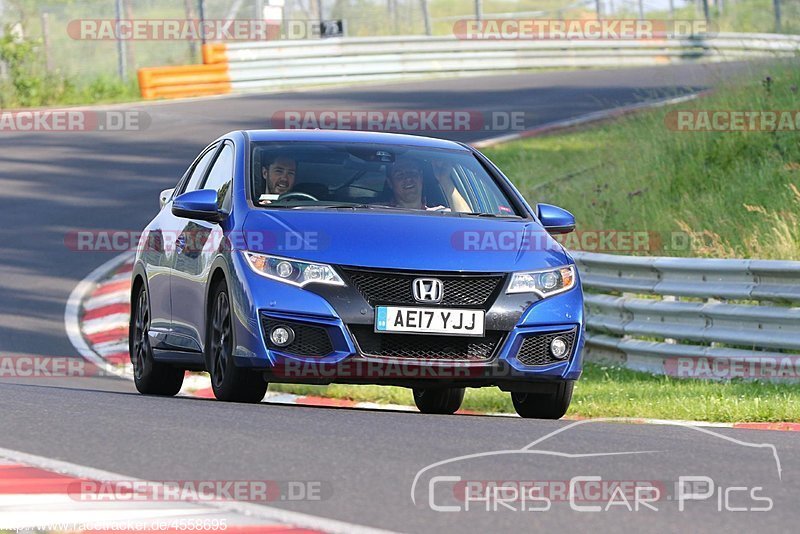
pixel 221 340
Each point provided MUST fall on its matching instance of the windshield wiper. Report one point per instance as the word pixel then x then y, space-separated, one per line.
pixel 324 205
pixel 490 215
pixel 365 207
pixel 332 206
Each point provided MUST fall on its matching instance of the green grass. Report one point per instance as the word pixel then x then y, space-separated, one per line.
pixel 56 91
pixel 613 392
pixel 734 194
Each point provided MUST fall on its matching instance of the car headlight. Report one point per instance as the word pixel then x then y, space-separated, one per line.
pixel 295 272
pixel 544 283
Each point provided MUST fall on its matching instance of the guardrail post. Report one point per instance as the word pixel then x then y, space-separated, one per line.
pixel 777 4
pixel 48 54
pixel 426 15
pixel 392 6
pixel 121 59
pixel 201 8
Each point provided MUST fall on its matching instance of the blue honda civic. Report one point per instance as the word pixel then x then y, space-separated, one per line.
pixel 320 257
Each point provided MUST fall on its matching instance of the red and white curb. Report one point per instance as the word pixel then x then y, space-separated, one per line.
pixel 42 494
pixel 96 316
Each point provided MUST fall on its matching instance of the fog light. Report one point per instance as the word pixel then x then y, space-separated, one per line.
pixel 281 336
pixel 558 348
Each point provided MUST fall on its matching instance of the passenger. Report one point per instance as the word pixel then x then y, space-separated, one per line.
pixel 443 171
pixel 405 181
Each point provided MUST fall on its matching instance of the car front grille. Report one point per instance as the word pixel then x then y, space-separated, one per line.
pixel 426 347
pixel 389 287
pixel 308 340
pixel 535 349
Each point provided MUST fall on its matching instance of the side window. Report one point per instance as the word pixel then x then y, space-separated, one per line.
pixel 485 192
pixel 199 170
pixel 221 177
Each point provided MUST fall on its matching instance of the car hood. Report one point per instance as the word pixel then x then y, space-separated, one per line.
pixel 431 242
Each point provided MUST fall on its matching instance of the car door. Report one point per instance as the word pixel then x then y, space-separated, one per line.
pixel 159 253
pixel 195 251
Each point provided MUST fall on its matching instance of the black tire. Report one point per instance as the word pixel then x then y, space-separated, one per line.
pixel 544 405
pixel 149 376
pixel 230 383
pixel 445 401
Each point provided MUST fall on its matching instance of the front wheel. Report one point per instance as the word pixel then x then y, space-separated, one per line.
pixel 439 401
pixel 544 405
pixel 149 376
pixel 229 383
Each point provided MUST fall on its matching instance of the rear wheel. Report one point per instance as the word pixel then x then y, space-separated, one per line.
pixel 439 400
pixel 230 383
pixel 544 405
pixel 149 376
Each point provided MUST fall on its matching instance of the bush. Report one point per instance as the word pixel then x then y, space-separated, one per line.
pixel 30 85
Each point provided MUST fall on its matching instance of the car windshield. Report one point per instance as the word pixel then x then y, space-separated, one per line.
pixel 374 176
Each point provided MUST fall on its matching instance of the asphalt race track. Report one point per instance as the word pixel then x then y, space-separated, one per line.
pixel 55 183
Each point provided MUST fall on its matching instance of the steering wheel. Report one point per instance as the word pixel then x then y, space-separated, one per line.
pixel 298 195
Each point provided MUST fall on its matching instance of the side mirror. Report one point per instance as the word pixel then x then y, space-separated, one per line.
pixel 554 219
pixel 200 204
pixel 164 197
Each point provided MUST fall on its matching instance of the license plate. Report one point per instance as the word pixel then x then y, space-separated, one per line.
pixel 429 320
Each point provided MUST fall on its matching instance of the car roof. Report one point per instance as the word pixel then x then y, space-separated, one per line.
pixel 350 136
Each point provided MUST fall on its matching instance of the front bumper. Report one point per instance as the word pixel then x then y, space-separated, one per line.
pixel 339 311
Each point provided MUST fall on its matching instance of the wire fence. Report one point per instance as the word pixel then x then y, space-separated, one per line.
pixel 52 22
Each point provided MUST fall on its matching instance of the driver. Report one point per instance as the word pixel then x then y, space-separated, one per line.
pixel 279 175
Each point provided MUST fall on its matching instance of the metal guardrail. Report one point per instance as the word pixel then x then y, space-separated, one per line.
pixel 649 312
pixel 255 65
pixel 278 64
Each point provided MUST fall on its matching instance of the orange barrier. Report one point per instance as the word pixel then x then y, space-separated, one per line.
pixel 215 53
pixel 183 81
pixel 209 78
